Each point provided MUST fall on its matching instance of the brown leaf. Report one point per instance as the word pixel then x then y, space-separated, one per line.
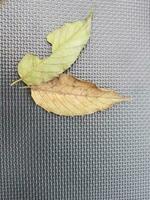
pixel 69 96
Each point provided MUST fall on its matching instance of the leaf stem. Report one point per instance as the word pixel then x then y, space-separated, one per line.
pixel 25 87
pixel 15 82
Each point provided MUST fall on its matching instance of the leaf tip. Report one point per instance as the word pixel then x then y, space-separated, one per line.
pixel 124 99
pixel 128 99
pixel 90 15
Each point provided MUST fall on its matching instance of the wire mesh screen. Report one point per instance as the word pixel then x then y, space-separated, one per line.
pixel 105 155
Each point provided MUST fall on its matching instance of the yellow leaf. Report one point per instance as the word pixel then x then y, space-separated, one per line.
pixel 69 96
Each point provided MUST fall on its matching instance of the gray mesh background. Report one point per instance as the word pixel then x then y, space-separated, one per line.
pixel 105 155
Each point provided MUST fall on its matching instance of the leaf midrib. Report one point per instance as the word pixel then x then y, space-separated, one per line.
pixel 80 95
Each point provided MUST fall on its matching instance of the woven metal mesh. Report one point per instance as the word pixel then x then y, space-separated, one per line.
pixel 105 155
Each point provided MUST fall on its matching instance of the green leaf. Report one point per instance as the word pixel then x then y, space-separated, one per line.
pixel 67 43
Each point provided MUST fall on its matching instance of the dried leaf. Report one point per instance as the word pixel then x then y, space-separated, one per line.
pixel 67 43
pixel 69 96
